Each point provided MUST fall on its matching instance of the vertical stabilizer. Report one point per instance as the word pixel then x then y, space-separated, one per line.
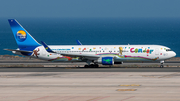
pixel 24 40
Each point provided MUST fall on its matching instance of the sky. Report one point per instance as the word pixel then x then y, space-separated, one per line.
pixel 89 8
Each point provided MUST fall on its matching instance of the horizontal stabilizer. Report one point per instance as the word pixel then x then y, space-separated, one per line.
pixel 19 50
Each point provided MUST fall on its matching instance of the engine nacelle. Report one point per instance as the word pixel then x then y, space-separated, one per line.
pixel 118 62
pixel 106 60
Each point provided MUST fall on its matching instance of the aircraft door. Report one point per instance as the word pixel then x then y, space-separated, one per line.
pixel 44 52
pixel 157 51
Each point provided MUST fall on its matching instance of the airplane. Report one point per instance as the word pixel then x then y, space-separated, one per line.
pixel 93 55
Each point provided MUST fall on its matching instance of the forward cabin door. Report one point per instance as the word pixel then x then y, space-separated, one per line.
pixel 157 51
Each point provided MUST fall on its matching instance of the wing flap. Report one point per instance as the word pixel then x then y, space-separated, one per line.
pixel 79 55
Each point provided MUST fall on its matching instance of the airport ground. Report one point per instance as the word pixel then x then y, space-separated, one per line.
pixel 16 61
pixel 89 86
pixel 53 82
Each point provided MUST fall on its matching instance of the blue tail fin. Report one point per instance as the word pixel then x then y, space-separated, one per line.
pixel 24 40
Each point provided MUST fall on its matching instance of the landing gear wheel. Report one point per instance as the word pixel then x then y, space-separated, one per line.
pixel 86 66
pixel 162 66
pixel 162 62
pixel 96 66
pixel 91 66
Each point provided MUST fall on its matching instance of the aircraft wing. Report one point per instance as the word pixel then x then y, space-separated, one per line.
pixel 79 55
pixel 84 56
pixel 47 48
pixel 78 42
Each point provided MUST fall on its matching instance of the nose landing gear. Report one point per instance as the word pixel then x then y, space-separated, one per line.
pixel 162 64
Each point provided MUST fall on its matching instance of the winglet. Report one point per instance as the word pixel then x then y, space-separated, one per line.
pixel 78 42
pixel 46 47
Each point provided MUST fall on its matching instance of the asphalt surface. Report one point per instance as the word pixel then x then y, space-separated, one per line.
pixel 74 69
pixel 33 61
pixel 13 63
pixel 90 86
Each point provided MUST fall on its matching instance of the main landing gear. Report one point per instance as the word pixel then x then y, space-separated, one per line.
pixel 162 64
pixel 91 66
pixel 94 65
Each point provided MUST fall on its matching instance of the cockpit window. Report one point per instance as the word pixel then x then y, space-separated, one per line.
pixel 168 50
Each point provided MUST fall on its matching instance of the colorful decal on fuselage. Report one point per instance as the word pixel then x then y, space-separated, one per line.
pixel 84 49
pixel 35 52
pixel 64 58
pixel 47 48
pixel 107 60
pixel 121 54
pixel 69 58
pixel 120 50
pixel 140 50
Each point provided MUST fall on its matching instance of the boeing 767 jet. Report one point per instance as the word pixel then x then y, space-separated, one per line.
pixel 91 54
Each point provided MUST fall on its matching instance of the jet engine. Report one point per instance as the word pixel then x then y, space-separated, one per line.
pixel 106 61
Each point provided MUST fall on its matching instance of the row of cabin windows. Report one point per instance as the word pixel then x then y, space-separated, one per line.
pixel 89 51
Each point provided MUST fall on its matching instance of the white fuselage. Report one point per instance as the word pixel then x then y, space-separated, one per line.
pixel 119 52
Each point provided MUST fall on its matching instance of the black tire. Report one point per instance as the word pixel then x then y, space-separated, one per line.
pixel 86 66
pixel 161 66
pixel 92 65
pixel 96 66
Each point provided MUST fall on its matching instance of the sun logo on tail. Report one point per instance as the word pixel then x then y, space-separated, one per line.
pixel 21 35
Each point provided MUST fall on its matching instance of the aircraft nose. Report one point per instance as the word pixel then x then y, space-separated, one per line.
pixel 174 54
